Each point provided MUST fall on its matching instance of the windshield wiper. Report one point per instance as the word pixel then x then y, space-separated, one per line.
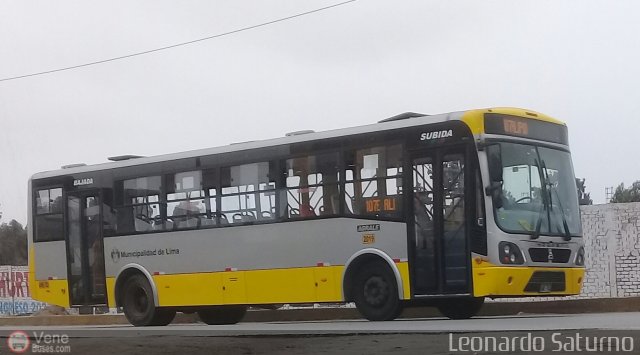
pixel 565 225
pixel 549 186
pixel 543 192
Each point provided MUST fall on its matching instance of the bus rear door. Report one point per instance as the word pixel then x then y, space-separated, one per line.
pixel 85 249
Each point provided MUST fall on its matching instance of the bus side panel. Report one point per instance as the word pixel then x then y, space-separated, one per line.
pixel 189 289
pixel 294 285
pixel 281 285
pixel 54 292
pixel 111 291
pixel 403 268
pixel 32 269
pixel 50 273
pixel 275 263
pixel 329 283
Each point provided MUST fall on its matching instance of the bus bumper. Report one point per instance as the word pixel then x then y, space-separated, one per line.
pixel 509 281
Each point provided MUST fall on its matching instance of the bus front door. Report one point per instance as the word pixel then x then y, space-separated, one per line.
pixel 85 249
pixel 438 235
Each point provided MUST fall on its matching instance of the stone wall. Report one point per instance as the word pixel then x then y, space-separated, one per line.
pixel 612 238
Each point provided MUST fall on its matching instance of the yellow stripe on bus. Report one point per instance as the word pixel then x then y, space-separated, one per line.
pixel 52 292
pixel 291 285
pixel 493 280
pixel 475 118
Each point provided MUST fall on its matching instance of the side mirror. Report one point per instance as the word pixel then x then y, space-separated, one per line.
pixel 494 156
pixel 495 191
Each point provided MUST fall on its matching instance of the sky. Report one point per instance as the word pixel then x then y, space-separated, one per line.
pixel 350 65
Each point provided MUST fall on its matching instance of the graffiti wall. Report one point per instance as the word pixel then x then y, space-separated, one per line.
pixel 15 297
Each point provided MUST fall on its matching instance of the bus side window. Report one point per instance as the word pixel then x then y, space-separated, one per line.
pixel 248 193
pixel 139 205
pixel 312 186
pixel 186 207
pixel 49 223
pixel 109 217
pixel 374 181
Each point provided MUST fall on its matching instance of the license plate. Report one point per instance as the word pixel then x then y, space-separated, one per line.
pixel 545 287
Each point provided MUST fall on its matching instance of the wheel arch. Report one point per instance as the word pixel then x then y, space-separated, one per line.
pixel 362 257
pixel 127 271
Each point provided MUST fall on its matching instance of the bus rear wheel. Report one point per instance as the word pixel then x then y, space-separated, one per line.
pixel 376 292
pixel 219 315
pixel 461 308
pixel 139 307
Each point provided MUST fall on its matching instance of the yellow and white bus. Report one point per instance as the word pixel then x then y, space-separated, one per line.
pixel 440 210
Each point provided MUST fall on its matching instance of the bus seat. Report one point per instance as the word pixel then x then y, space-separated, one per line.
pixel 142 226
pixel 307 211
pixel 207 222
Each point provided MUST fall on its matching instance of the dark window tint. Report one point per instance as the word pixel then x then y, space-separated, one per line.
pixel 248 193
pixel 49 219
pixel 139 205
pixel 187 201
pixel 312 186
pixel 374 182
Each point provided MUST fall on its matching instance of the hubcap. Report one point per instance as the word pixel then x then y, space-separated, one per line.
pixel 376 291
pixel 140 300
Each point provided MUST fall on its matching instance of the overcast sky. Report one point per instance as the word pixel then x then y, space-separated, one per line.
pixel 350 65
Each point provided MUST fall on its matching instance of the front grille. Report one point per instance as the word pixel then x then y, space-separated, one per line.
pixel 546 281
pixel 549 255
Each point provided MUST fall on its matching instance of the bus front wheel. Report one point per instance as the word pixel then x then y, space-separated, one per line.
pixel 218 315
pixel 376 292
pixel 138 304
pixel 461 308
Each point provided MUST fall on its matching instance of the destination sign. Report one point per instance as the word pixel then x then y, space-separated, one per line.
pixel 495 123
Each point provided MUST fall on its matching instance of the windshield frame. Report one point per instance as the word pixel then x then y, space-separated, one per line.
pixel 537 144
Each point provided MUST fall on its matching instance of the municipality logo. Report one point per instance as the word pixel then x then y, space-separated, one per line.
pixel 115 255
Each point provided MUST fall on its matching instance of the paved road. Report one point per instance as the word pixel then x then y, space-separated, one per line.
pixel 432 336
pixel 610 321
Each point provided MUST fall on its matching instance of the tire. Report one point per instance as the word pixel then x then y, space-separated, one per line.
pixel 219 315
pixel 138 304
pixel 163 317
pixel 376 292
pixel 461 308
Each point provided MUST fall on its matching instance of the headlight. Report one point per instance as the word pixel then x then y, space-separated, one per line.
pixel 580 257
pixel 510 253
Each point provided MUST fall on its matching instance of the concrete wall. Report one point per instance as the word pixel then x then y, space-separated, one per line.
pixel 612 238
pixel 15 297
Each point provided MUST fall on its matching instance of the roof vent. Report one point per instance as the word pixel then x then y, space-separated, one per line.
pixel 124 157
pixel 403 116
pixel 73 166
pixel 243 142
pixel 298 133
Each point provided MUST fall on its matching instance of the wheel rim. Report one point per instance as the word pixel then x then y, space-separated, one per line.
pixel 139 301
pixel 376 291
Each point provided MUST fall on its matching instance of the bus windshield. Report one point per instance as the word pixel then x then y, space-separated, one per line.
pixel 538 190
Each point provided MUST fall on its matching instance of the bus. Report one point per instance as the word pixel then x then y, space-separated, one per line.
pixel 414 210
